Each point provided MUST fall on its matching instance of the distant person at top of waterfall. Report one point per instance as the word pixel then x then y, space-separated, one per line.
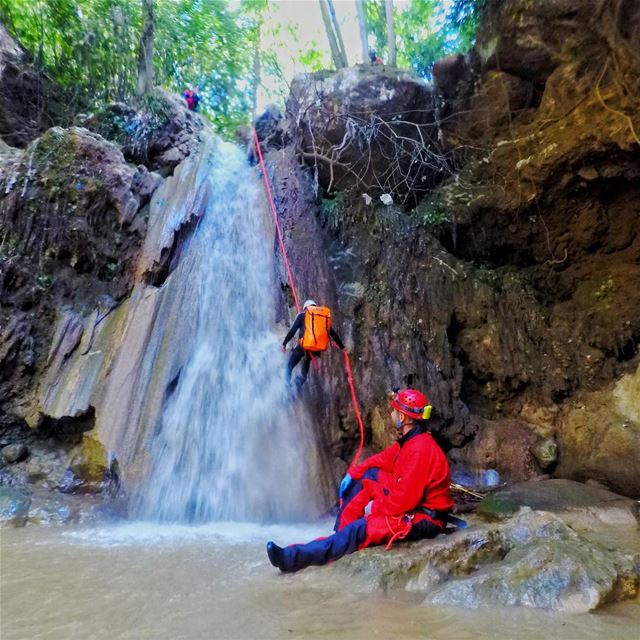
pixel 313 325
pixel 374 59
pixel 192 99
pixel 399 493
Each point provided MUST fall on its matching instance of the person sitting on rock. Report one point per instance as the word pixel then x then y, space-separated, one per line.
pixel 313 325
pixel 399 493
pixel 192 98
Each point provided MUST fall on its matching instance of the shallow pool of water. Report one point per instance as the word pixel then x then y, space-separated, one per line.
pixel 139 581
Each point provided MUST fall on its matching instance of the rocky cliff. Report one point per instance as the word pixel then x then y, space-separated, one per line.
pixel 510 291
pixel 81 247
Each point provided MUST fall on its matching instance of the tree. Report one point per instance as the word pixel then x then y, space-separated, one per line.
pixel 391 34
pixel 336 53
pixel 338 32
pixel 364 34
pixel 145 56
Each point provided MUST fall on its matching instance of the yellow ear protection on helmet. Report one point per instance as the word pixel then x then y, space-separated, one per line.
pixel 426 412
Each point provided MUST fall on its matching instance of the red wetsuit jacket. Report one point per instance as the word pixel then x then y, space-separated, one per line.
pixel 419 476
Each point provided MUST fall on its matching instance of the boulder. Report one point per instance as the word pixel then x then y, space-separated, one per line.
pixel 89 468
pixel 367 128
pixel 447 73
pixel 15 453
pixel 558 575
pixel 599 436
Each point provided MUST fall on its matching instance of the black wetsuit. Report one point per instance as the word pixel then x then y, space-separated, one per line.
pixel 299 353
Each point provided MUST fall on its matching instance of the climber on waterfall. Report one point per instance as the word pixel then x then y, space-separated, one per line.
pixel 399 493
pixel 313 325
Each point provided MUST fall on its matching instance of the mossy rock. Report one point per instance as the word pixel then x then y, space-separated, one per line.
pixel 89 465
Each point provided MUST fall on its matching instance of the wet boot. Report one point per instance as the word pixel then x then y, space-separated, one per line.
pixel 320 551
pixel 276 555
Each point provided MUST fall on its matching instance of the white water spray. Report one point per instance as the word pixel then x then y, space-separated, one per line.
pixel 230 445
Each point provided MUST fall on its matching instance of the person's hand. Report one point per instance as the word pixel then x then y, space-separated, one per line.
pixel 284 348
pixel 367 509
pixel 344 485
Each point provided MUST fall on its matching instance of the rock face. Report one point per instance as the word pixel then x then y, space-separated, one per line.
pixel 69 235
pixel 509 292
pixel 366 128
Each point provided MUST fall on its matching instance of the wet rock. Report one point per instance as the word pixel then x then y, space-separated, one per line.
pixel 558 575
pixel 351 129
pixel 14 506
pixel 145 183
pixel 49 508
pixel 574 501
pixel 15 453
pixel 268 128
pixel 546 453
pixel 68 334
pixel 89 468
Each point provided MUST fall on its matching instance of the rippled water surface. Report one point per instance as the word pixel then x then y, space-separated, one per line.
pixel 151 581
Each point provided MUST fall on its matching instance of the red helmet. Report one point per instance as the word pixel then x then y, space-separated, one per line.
pixel 412 403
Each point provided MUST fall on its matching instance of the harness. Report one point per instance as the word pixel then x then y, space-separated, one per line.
pixel 444 516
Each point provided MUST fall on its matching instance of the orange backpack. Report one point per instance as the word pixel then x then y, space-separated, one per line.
pixel 317 324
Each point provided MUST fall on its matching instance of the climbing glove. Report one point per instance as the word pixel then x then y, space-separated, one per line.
pixel 344 485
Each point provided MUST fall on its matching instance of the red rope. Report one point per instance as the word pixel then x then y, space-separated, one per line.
pixel 354 400
pixel 275 221
pixel 347 363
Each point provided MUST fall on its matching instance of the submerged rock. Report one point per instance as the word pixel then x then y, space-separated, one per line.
pixel 14 506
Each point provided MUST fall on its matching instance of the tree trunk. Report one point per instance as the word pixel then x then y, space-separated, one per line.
pixel 333 43
pixel 145 56
pixel 364 31
pixel 338 32
pixel 256 75
pixel 391 33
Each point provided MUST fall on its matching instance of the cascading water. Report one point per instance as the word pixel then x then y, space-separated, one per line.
pixel 231 445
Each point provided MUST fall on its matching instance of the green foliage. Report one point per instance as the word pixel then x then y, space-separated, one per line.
pixel 91 48
pixel 432 212
pixel 426 30
pixel 332 210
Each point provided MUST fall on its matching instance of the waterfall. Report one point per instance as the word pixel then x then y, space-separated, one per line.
pixel 231 444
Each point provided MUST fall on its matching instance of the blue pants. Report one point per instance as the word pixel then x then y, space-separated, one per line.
pixel 324 550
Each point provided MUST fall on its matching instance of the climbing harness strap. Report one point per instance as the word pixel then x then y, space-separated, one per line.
pixel 445 516
pixel 347 363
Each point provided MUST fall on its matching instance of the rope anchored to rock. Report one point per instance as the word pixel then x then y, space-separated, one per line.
pixel 289 271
